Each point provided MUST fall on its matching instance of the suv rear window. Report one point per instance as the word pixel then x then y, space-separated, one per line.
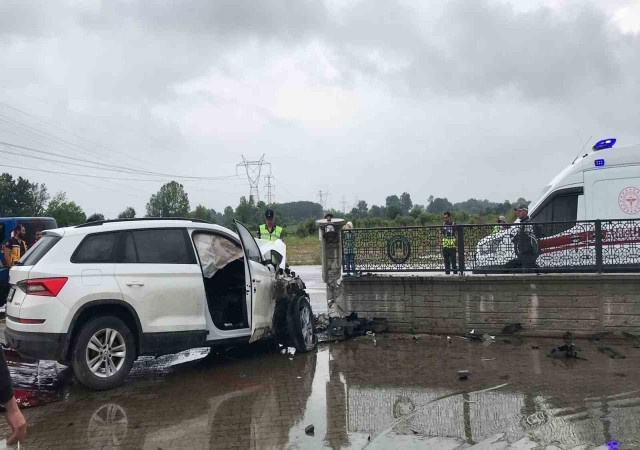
pixel 39 249
pixel 96 248
pixel 158 246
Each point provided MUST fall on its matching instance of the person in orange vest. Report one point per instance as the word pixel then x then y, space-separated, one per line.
pixel 16 247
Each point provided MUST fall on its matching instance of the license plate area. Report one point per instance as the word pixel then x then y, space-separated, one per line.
pixel 10 295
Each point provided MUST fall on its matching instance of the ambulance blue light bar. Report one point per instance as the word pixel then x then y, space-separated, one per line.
pixel 605 143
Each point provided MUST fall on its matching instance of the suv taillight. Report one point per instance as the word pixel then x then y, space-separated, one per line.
pixel 45 287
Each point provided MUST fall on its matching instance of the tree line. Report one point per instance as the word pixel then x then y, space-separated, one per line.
pixel 21 197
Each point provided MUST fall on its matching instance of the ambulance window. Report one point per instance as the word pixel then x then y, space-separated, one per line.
pixel 563 208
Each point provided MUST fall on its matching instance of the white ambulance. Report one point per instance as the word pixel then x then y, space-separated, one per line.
pixel 603 184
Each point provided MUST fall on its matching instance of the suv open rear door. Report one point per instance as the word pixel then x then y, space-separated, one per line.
pixel 259 280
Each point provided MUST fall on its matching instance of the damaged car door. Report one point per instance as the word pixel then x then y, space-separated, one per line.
pixel 259 279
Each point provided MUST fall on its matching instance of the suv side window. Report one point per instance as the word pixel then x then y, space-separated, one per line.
pixel 158 246
pixel 96 248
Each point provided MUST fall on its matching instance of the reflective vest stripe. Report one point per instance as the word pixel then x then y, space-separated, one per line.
pixel 448 235
pixel 264 233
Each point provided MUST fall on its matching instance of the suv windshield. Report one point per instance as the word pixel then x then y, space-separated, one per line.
pixel 39 249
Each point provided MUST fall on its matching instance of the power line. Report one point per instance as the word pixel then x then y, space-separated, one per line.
pixel 79 174
pixel 67 143
pixel 108 167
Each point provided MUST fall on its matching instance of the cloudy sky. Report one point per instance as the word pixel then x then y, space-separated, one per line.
pixel 458 99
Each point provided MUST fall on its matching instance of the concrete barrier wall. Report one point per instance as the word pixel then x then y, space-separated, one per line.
pixel 546 305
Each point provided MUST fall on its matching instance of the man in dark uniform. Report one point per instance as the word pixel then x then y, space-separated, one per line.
pixel 448 235
pixel 525 242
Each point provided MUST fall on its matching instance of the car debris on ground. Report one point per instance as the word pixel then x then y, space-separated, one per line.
pixel 309 430
pixel 566 351
pixel 330 329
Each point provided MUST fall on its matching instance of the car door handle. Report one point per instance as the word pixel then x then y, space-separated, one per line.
pixel 134 284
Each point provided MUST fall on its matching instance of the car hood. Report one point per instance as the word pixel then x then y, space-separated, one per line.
pixel 277 245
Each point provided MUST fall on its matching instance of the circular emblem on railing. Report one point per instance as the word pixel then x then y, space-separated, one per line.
pixel 629 200
pixel 399 249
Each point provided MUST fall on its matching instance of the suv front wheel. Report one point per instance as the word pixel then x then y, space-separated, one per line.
pixel 301 324
pixel 103 353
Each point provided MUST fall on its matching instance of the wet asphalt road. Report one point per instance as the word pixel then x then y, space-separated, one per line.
pixel 387 391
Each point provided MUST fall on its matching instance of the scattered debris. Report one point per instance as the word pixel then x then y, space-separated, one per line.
pixel 322 322
pixel 488 359
pixel 473 336
pixel 449 339
pixel 512 328
pixel 597 336
pixel 291 350
pixel 611 353
pixel 535 347
pixel 309 430
pixel 352 326
pixel 463 374
pixel 568 350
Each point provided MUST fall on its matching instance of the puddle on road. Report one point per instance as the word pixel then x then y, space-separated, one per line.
pixel 399 393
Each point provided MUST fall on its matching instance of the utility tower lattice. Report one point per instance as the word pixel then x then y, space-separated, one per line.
pixel 322 196
pixel 271 189
pixel 253 170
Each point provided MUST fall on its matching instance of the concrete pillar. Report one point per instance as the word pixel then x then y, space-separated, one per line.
pixel 331 256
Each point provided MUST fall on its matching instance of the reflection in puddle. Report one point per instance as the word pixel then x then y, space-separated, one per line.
pixel 108 427
pixel 396 394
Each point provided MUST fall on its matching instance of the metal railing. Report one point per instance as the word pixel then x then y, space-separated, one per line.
pixel 578 246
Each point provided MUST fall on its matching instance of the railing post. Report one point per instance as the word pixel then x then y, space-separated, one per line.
pixel 598 243
pixel 460 249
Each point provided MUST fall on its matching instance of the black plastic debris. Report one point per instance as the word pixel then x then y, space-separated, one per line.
pixel 611 353
pixel 566 351
pixel 309 430
pixel 463 374
pixel 512 328
pixel 597 336
pixel 473 336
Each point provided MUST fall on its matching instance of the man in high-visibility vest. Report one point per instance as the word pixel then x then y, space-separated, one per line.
pixel 269 231
pixel 448 234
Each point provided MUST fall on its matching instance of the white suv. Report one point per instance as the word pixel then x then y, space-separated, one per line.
pixel 97 296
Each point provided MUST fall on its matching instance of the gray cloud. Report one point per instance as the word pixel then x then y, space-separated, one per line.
pixel 475 85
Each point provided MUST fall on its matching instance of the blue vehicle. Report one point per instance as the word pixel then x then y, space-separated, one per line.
pixel 7 226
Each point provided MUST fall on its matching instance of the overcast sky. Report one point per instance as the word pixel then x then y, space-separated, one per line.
pixel 458 99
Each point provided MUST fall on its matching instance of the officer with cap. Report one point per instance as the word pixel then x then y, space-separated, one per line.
pixel 525 241
pixel 269 231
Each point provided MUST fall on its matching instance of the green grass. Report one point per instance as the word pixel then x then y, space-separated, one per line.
pixel 303 251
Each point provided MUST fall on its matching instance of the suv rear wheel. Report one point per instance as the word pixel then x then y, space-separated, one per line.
pixel 103 353
pixel 301 324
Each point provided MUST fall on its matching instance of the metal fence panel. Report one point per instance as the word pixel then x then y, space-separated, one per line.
pixel 584 246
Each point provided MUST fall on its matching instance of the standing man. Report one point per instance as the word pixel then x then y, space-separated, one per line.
pixel 269 231
pixel 525 241
pixel 448 234
pixel 16 247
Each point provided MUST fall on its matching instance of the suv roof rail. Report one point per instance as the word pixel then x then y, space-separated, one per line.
pixel 101 222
